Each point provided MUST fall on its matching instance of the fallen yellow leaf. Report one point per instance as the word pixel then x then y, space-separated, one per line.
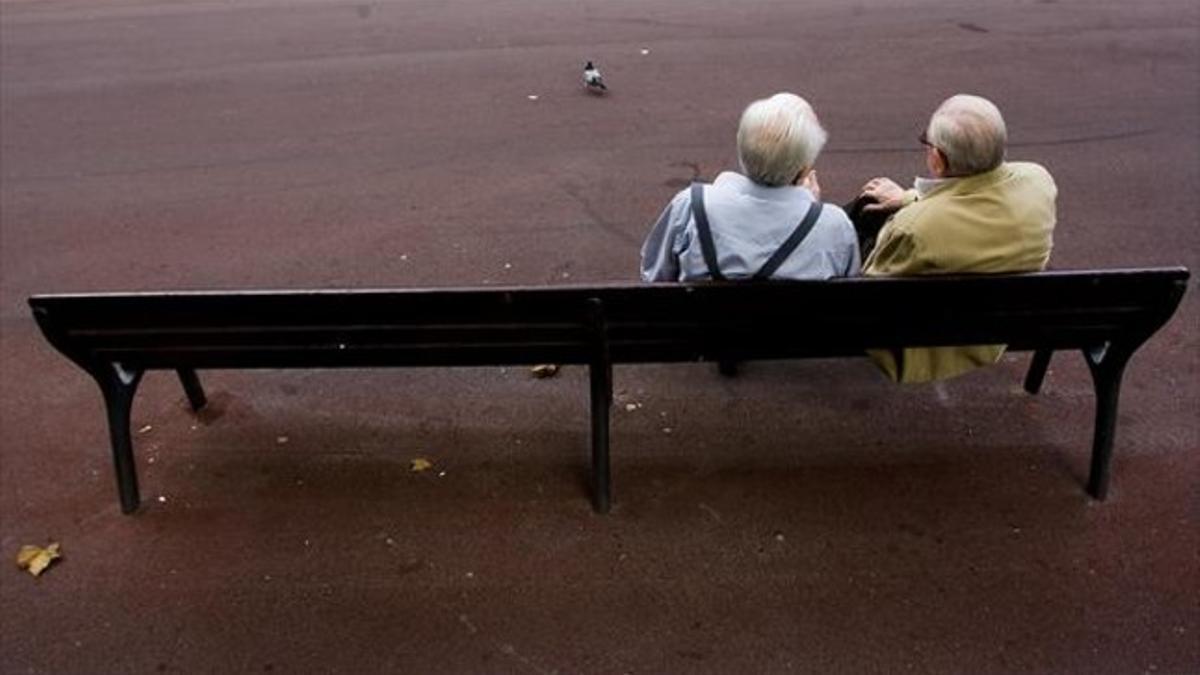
pixel 36 559
pixel 421 464
pixel 544 370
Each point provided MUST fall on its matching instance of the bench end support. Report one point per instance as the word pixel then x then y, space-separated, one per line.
pixel 1106 363
pixel 118 385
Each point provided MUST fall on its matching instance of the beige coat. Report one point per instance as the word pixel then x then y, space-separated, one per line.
pixel 999 221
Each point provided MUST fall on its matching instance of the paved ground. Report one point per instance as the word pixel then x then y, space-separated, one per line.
pixel 805 517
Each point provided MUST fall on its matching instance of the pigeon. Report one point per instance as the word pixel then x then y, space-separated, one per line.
pixel 592 79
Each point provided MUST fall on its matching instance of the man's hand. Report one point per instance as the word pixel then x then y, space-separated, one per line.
pixel 810 181
pixel 887 195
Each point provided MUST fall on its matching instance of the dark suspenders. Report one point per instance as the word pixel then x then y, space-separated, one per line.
pixel 709 249
pixel 706 241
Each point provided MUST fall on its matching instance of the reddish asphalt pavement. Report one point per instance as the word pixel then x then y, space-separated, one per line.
pixel 804 517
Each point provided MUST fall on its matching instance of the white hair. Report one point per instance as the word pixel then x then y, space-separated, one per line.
pixel 970 133
pixel 777 138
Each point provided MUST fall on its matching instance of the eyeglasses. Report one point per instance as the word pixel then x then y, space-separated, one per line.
pixel 924 140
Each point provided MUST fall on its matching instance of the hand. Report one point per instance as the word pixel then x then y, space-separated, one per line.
pixel 810 181
pixel 887 195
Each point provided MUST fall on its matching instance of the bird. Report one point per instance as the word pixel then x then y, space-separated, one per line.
pixel 592 80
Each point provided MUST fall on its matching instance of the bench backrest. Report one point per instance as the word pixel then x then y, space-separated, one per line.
pixel 638 322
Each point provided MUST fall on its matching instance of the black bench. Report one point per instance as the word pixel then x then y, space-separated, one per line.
pixel 117 337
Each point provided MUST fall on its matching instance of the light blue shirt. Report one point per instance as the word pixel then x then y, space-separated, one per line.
pixel 749 223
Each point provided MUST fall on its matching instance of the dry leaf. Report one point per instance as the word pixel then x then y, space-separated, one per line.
pixel 544 370
pixel 36 559
pixel 421 464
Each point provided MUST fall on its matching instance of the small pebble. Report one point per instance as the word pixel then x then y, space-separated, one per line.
pixel 645 51
pixel 667 430
pixel 281 439
pixel 162 499
pixel 145 429
pixel 532 97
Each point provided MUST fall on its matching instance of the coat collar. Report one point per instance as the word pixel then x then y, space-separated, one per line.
pixel 927 187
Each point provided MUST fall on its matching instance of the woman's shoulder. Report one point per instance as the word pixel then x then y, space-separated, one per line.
pixel 834 217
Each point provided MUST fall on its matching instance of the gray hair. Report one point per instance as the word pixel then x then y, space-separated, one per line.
pixel 777 138
pixel 970 133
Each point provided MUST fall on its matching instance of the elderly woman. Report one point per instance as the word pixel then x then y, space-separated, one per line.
pixel 766 224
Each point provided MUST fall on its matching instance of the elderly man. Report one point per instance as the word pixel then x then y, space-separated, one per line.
pixel 978 214
pixel 765 223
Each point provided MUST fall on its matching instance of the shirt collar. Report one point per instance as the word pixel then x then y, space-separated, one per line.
pixel 927 186
pixel 736 182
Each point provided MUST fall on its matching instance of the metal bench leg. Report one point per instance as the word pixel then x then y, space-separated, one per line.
pixel 1106 365
pixel 601 396
pixel 191 387
pixel 1037 370
pixel 600 371
pixel 119 386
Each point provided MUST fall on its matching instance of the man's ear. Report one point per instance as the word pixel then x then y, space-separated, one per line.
pixel 936 162
pixel 804 171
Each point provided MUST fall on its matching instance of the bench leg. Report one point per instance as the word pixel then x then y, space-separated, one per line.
pixel 600 372
pixel 118 386
pixel 1037 370
pixel 191 387
pixel 601 376
pixel 1106 365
